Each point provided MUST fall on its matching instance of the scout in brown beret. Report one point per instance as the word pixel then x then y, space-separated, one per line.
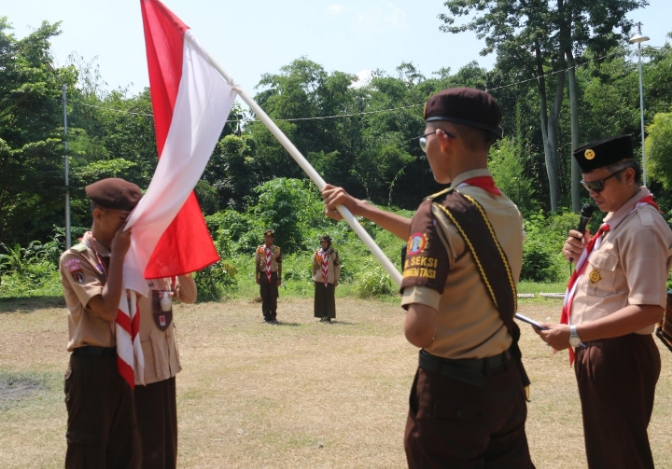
pixel 92 279
pixel 450 316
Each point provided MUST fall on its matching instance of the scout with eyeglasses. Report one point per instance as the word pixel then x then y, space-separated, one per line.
pixel 614 301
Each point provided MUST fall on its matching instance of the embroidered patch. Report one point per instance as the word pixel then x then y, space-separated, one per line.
pixel 162 321
pixel 73 265
pixel 78 276
pixel 416 243
pixel 589 154
pixel 595 276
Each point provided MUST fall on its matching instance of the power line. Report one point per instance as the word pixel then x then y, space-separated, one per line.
pixel 357 114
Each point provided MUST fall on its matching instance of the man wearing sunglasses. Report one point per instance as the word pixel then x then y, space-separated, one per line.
pixel 614 299
pixel 467 403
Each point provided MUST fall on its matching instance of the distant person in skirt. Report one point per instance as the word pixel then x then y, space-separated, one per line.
pixel 326 272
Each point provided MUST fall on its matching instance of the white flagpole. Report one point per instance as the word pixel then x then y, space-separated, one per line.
pixel 309 170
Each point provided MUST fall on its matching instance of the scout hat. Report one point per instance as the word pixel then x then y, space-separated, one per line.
pixel 325 237
pixel 603 152
pixel 114 193
pixel 269 232
pixel 466 106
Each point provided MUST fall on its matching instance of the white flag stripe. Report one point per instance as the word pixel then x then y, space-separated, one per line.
pixel 203 103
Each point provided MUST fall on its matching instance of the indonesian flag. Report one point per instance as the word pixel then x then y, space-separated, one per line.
pixel 191 102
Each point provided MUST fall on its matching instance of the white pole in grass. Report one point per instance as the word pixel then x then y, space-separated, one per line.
pixel 309 170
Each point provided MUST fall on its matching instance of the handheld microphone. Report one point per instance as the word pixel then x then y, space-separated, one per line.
pixel 586 214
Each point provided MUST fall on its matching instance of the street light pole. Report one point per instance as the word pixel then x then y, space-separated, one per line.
pixel 68 236
pixel 638 38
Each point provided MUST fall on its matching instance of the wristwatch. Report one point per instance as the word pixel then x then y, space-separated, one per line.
pixel 574 339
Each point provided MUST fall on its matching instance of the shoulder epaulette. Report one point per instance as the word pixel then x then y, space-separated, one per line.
pixel 80 247
pixel 439 194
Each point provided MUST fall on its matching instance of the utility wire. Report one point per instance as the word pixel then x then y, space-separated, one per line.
pixel 339 116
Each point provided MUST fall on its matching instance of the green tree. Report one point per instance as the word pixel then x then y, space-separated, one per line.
pixel 659 149
pixel 533 39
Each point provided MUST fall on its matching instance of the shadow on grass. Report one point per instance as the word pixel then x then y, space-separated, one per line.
pixel 30 304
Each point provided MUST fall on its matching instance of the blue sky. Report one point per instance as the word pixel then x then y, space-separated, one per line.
pixel 249 38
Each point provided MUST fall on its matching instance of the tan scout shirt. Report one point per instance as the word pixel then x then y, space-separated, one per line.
pixel 632 264
pixel 333 263
pixel 83 278
pixel 260 258
pixel 159 348
pixel 468 324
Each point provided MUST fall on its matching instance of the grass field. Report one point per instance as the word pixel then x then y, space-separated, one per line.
pixel 301 394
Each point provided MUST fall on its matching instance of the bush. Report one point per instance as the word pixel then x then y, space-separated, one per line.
pixel 214 280
pixel 372 281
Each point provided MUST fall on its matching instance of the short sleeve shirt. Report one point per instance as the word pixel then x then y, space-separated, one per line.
pixel 83 278
pixel 630 267
pixel 440 272
pixel 260 258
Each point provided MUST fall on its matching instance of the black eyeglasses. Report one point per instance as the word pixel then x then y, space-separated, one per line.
pixel 598 186
pixel 422 139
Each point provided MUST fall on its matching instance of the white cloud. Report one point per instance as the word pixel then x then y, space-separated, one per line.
pixel 363 78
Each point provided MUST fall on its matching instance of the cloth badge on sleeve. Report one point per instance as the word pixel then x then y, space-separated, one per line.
pixel 416 243
pixel 74 266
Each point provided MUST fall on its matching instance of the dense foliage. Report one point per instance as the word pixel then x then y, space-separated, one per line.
pixel 358 135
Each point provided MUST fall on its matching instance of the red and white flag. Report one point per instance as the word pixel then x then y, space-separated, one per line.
pixel 191 102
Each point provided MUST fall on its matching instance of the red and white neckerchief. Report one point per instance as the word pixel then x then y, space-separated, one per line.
pixel 486 183
pixel 325 266
pixel 269 257
pixel 594 244
pixel 130 359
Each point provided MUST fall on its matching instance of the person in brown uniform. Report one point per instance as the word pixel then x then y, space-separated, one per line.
pixel 467 402
pixel 614 300
pixel 326 273
pixel 155 402
pixel 100 430
pixel 268 271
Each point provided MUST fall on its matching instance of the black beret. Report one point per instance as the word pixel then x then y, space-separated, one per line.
pixel 603 152
pixel 269 232
pixel 466 106
pixel 325 237
pixel 114 193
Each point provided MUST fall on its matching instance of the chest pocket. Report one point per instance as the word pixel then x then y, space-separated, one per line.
pixel 601 274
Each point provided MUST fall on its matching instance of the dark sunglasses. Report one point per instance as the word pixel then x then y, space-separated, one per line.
pixel 598 186
pixel 422 139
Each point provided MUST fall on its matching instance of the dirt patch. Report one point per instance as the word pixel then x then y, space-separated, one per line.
pixel 17 387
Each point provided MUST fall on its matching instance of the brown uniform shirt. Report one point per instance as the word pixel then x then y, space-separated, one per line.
pixel 333 263
pixel 629 268
pixel 468 323
pixel 159 348
pixel 260 259
pixel 83 278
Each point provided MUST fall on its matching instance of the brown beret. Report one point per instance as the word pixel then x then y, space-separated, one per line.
pixel 466 106
pixel 603 152
pixel 325 237
pixel 114 193
pixel 269 232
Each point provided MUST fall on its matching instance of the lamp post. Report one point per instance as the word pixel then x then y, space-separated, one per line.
pixel 638 38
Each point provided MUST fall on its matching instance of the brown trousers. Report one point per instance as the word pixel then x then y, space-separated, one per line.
pixel 453 424
pixel 269 295
pixel 101 426
pixel 325 304
pixel 617 382
pixel 156 414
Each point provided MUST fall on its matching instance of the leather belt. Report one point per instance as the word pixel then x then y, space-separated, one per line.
pixel 96 351
pixel 468 370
